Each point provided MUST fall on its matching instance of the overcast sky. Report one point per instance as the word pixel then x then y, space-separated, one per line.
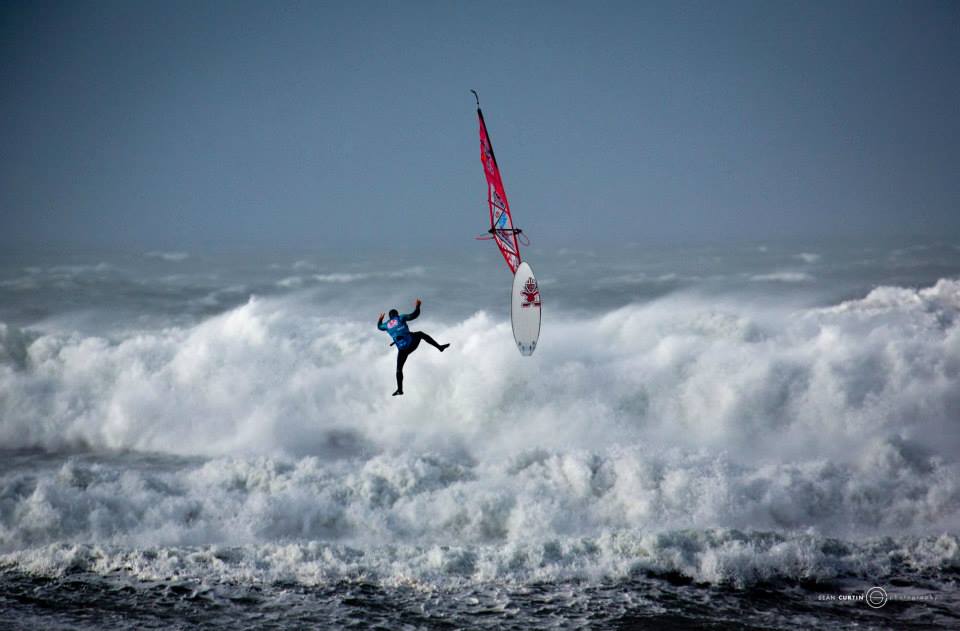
pixel 351 124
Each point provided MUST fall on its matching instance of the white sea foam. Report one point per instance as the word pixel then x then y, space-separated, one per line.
pixel 537 516
pixel 296 281
pixel 173 257
pixel 76 270
pixel 718 556
pixel 291 282
pixel 783 277
pixel 726 440
pixel 64 276
pixel 23 283
pixel 340 277
pixel 268 375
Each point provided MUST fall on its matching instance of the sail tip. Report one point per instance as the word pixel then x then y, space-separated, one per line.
pixel 476 96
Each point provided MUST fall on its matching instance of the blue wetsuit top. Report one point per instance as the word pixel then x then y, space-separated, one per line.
pixel 398 330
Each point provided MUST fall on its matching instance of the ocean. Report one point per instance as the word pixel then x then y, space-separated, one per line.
pixel 749 436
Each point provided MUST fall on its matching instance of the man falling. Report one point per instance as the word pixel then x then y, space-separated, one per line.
pixel 405 340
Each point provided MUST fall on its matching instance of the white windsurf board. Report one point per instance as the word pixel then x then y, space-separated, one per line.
pixel 525 309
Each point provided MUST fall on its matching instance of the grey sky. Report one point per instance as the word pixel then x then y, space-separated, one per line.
pixel 343 125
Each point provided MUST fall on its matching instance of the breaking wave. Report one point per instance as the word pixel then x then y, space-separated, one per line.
pixel 724 440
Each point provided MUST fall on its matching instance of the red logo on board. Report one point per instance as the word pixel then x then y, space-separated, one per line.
pixel 530 293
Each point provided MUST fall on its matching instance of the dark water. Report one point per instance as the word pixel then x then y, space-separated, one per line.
pixel 90 601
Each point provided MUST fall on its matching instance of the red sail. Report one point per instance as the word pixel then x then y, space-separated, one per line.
pixel 501 221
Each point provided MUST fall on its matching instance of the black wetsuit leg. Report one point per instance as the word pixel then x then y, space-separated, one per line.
pixel 402 355
pixel 426 338
pixel 401 360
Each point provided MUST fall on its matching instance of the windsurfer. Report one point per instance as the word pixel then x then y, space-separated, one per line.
pixel 405 340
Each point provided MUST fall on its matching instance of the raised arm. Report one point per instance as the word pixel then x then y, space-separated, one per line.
pixel 380 324
pixel 415 314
